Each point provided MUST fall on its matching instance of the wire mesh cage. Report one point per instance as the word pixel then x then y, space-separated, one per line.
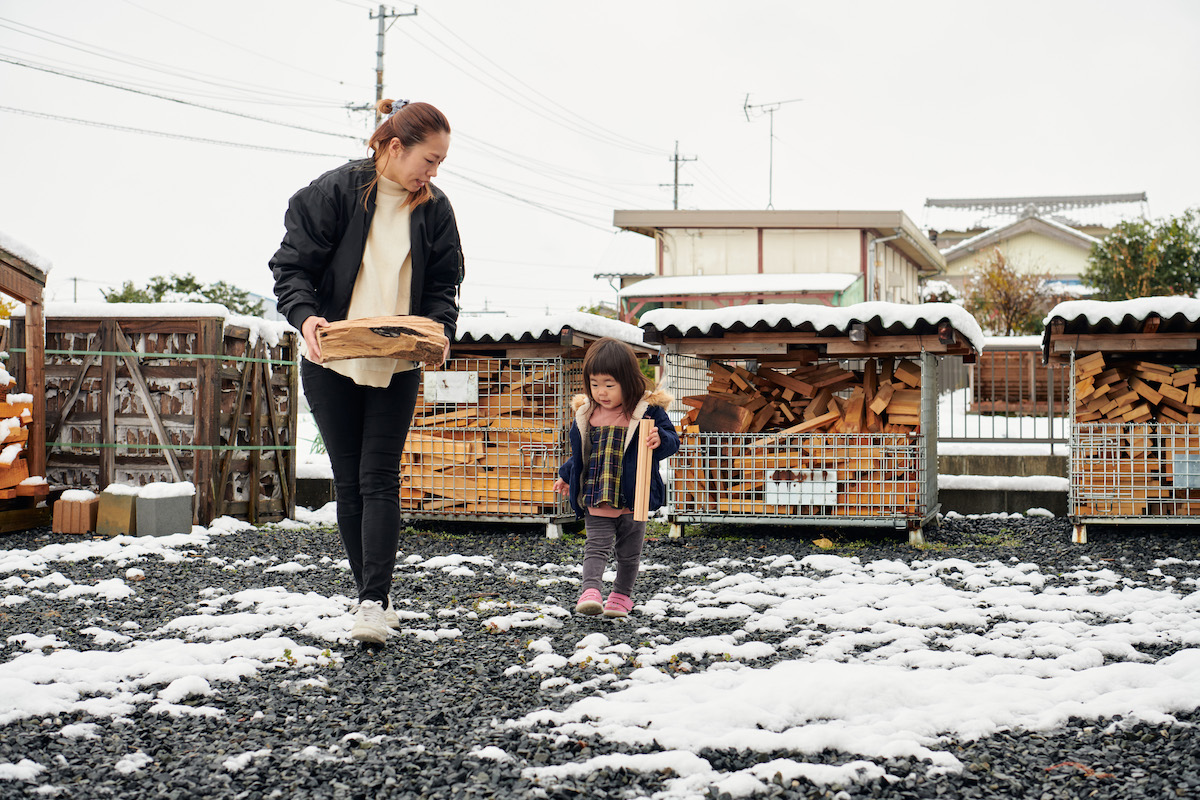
pixel 796 476
pixel 1148 472
pixel 487 438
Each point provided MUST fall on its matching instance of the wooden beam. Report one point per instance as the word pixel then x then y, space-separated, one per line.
pixel 76 387
pixel 717 347
pixel 1118 343
pixel 139 382
pixel 108 403
pixel 641 497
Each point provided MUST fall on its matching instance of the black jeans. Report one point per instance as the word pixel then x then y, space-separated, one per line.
pixel 364 429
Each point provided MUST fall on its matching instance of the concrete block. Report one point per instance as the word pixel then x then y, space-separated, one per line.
pixel 995 501
pixel 162 516
pixel 314 492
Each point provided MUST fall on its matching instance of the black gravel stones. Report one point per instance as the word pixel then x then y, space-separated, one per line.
pixel 426 716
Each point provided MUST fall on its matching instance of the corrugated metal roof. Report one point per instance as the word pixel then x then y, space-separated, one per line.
pixel 543 329
pixel 1079 317
pixel 880 319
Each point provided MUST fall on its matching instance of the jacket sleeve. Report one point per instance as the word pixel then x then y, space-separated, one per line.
pixel 313 228
pixel 444 271
pixel 570 471
pixel 669 438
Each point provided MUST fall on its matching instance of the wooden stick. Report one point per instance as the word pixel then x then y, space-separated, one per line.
pixel 641 496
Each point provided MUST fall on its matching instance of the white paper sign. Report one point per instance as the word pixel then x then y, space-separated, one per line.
pixel 816 487
pixel 451 387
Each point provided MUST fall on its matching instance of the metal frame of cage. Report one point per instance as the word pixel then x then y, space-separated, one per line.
pixel 1118 469
pixel 853 479
pixel 488 436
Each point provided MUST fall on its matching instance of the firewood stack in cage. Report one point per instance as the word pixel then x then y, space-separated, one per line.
pixel 16 417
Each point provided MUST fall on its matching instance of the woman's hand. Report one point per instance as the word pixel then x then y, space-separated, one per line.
pixel 653 440
pixel 445 354
pixel 308 329
pixel 561 487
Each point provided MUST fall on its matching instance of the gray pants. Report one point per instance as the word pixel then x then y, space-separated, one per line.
pixel 603 533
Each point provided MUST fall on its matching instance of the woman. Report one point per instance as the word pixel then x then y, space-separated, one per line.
pixel 371 238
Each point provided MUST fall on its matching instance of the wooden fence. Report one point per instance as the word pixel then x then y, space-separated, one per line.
pixel 141 399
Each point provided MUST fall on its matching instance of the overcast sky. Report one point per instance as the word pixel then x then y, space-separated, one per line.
pixel 565 111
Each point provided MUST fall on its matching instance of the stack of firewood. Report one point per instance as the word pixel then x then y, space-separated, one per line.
pixel 1134 391
pixel 1147 462
pixel 497 454
pixel 834 441
pixel 16 415
pixel 883 397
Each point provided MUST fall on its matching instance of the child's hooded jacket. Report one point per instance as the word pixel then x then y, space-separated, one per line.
pixel 653 405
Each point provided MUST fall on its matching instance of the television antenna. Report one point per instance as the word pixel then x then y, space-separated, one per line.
pixel 769 109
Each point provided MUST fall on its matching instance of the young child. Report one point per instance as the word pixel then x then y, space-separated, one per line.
pixel 600 476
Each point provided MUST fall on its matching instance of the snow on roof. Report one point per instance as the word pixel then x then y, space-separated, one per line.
pixel 24 252
pixel 740 284
pixel 270 330
pixel 1100 214
pixel 1177 315
pixel 543 328
pixel 1115 314
pixel 967 245
pixel 890 318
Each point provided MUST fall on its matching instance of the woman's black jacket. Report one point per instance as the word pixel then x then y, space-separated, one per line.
pixel 326 232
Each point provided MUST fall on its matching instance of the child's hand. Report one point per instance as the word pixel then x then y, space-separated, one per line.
pixel 561 487
pixel 653 440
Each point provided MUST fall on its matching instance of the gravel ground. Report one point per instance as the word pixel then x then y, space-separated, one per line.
pixel 425 706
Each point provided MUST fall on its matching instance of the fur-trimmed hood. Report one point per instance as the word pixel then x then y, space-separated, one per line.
pixel 652 397
pixel 581 404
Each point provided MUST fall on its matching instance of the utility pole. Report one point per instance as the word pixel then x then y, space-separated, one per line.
pixel 383 15
pixel 676 158
pixel 770 109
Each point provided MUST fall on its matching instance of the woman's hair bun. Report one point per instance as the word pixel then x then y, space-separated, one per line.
pixel 387 106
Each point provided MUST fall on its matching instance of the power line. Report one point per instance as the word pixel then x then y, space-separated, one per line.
pixel 646 148
pixel 677 159
pixel 100 73
pixel 586 130
pixel 164 134
pixel 176 99
pixel 524 200
pixel 78 46
pixel 251 51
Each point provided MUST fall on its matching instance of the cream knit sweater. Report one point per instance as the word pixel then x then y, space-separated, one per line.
pixel 383 287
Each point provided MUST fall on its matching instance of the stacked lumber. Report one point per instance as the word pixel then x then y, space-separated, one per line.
pixel 1135 391
pixel 1142 454
pixel 825 441
pixel 16 415
pixel 497 453
pixel 792 397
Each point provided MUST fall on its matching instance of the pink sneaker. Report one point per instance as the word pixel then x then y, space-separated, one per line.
pixel 589 603
pixel 618 605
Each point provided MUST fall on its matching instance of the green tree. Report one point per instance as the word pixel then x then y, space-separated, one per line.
pixel 1005 300
pixel 128 293
pixel 186 289
pixel 600 310
pixel 1144 259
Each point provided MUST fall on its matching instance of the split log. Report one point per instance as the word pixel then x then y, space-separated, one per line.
pixel 407 337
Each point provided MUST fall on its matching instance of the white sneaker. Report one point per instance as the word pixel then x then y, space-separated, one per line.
pixel 390 618
pixel 369 623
